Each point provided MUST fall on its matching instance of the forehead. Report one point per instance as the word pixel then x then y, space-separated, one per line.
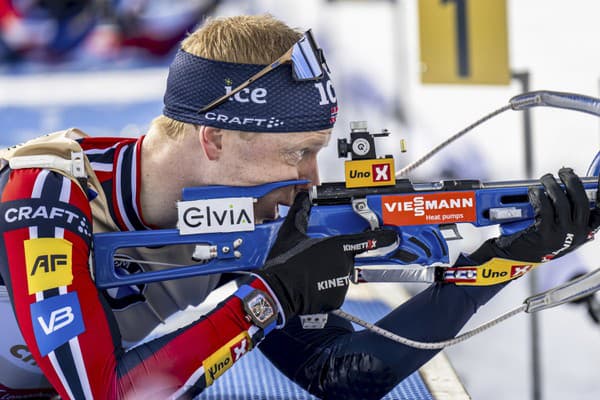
pixel 312 139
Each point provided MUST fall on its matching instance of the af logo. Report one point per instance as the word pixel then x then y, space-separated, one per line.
pixel 49 263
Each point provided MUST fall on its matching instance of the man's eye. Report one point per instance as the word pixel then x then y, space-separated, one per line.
pixel 294 157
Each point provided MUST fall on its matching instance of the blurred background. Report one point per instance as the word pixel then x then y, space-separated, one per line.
pixel 424 69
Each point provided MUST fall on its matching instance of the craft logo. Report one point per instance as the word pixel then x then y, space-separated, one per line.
pixel 49 263
pixel 368 173
pixel 21 215
pixel 56 320
pixel 15 214
pixel 216 215
pixel 21 352
pixel 221 360
pixel 429 208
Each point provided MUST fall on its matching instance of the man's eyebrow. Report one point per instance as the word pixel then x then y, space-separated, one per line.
pixel 310 143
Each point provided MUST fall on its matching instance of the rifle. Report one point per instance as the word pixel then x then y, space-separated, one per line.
pixel 219 221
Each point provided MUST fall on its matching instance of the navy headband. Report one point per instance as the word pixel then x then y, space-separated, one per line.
pixel 273 103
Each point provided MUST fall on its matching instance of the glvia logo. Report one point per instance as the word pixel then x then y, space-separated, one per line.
pixel 216 215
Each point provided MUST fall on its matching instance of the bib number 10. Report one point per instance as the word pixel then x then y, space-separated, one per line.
pixel 326 93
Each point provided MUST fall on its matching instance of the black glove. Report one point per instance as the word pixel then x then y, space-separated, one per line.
pixel 310 276
pixel 563 221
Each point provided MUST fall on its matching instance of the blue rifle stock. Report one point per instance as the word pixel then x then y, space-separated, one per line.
pixel 339 210
pixel 336 210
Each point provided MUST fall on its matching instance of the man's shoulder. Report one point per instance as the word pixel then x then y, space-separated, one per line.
pixel 65 140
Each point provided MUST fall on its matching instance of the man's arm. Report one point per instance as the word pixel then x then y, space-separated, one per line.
pixel 66 322
pixel 337 362
pixel 70 329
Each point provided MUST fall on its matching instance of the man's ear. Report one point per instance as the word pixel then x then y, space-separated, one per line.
pixel 210 140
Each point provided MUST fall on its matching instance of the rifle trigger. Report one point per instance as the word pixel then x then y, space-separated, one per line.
pixel 450 232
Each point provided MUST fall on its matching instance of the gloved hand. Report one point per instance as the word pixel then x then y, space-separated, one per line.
pixel 563 221
pixel 308 275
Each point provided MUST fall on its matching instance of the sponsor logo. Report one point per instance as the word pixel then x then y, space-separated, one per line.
pixel 239 349
pixel 216 215
pixel 367 173
pixel 20 215
pixel 21 352
pixel 381 172
pixel 247 95
pixel 431 208
pixel 49 263
pixel 122 297
pixel 464 274
pixel 221 360
pixel 566 244
pixel 333 283
pixel 272 122
pixel 496 270
pixel 56 320
pixel 368 245
pixel 16 214
pixel 518 270
pixel 514 272
pixel 333 116
pixel 488 273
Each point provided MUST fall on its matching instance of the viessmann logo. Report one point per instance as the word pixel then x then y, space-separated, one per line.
pixel 216 215
pixel 429 208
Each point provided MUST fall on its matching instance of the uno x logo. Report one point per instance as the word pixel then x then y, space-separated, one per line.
pixel 239 349
pixel 518 270
pixel 381 172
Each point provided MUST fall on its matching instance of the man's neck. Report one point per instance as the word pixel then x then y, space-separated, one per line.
pixel 165 171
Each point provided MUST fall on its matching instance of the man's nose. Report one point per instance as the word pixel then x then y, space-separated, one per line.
pixel 310 171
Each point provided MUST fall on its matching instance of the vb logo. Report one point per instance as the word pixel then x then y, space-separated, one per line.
pixel 49 263
pixel 58 319
pixel 381 172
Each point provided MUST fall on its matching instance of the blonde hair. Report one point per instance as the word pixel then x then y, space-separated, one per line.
pixel 247 39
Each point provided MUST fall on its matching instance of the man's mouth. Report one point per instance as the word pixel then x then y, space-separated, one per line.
pixel 266 208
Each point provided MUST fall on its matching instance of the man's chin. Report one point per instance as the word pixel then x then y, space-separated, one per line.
pixel 264 218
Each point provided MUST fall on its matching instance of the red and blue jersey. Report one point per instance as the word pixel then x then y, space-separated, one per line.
pixel 66 322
